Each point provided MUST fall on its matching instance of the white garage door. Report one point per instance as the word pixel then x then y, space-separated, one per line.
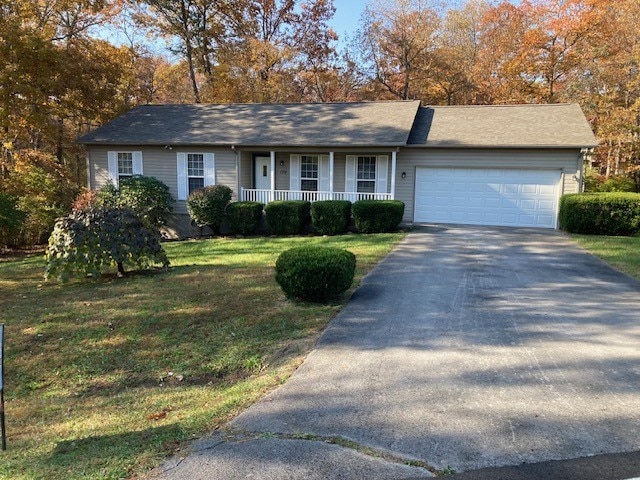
pixel 522 198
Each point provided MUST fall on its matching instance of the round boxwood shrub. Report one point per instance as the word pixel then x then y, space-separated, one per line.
pixel 244 216
pixel 315 273
pixel 377 216
pixel 600 213
pixel 331 217
pixel 287 217
pixel 207 205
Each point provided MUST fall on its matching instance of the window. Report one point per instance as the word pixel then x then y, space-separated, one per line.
pixel 366 174
pixel 309 173
pixel 125 165
pixel 195 171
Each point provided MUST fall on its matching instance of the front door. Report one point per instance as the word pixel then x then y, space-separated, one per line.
pixel 262 173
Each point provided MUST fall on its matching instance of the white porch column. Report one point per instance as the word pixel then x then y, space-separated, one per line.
pixel 331 175
pixel 393 174
pixel 273 176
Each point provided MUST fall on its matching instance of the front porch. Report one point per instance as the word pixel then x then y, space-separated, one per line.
pixel 266 196
pixel 289 175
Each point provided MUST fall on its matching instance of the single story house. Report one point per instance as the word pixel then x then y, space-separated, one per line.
pixel 480 165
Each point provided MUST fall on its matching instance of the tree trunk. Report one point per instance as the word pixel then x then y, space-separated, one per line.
pixel 120 269
pixel 189 50
pixel 59 147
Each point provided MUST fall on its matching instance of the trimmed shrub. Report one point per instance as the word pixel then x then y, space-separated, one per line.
pixel 377 216
pixel 87 241
pixel 147 196
pixel 244 216
pixel 315 273
pixel 600 213
pixel 287 217
pixel 331 217
pixel 207 206
pixel 11 218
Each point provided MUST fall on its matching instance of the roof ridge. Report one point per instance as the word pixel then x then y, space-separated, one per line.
pixel 504 105
pixel 362 102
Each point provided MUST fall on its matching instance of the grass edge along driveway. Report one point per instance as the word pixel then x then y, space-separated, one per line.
pixel 622 253
pixel 107 377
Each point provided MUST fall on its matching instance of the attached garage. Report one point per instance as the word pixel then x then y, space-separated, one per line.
pixel 503 165
pixel 491 196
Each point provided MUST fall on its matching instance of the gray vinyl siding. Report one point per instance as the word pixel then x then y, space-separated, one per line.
pixel 568 161
pixel 246 170
pixel 162 164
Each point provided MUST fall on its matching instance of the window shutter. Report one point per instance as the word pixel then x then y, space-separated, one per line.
pixel 294 173
pixel 209 169
pixel 350 174
pixel 382 167
pixel 323 173
pixel 182 176
pixel 137 163
pixel 112 161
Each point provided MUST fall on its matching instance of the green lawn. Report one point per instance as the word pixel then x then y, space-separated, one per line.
pixel 621 252
pixel 104 378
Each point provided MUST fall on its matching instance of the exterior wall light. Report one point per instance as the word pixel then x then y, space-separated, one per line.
pixel 404 175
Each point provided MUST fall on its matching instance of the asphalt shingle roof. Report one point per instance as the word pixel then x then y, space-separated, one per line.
pixel 554 125
pixel 349 124
pixel 317 124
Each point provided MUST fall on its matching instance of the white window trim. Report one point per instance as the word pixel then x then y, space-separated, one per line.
pixel 183 171
pixel 204 168
pixel 317 179
pixel 114 166
pixel 367 180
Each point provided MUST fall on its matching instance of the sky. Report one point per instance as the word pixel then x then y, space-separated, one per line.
pixel 347 16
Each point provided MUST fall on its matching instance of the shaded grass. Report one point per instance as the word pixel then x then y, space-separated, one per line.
pixel 107 377
pixel 622 253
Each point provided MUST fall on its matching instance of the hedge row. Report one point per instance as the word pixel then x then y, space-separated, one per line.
pixel 600 213
pixel 328 217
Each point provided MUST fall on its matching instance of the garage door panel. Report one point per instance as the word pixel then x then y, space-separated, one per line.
pixel 527 204
pixel 509 197
pixel 547 189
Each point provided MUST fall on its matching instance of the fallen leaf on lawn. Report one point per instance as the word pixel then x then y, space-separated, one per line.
pixel 157 416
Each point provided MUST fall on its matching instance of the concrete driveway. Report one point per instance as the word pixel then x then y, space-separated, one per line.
pixel 468 347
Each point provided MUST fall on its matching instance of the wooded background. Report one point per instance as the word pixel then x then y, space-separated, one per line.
pixel 61 76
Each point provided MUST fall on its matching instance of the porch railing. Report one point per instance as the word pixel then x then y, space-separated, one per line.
pixel 266 196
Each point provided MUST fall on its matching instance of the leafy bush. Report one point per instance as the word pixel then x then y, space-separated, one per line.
pixel 331 217
pixel 614 183
pixel 86 200
pixel 600 213
pixel 44 191
pixel 10 218
pixel 244 216
pixel 315 273
pixel 87 241
pixel 287 217
pixel 207 205
pixel 147 196
pixel 377 216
